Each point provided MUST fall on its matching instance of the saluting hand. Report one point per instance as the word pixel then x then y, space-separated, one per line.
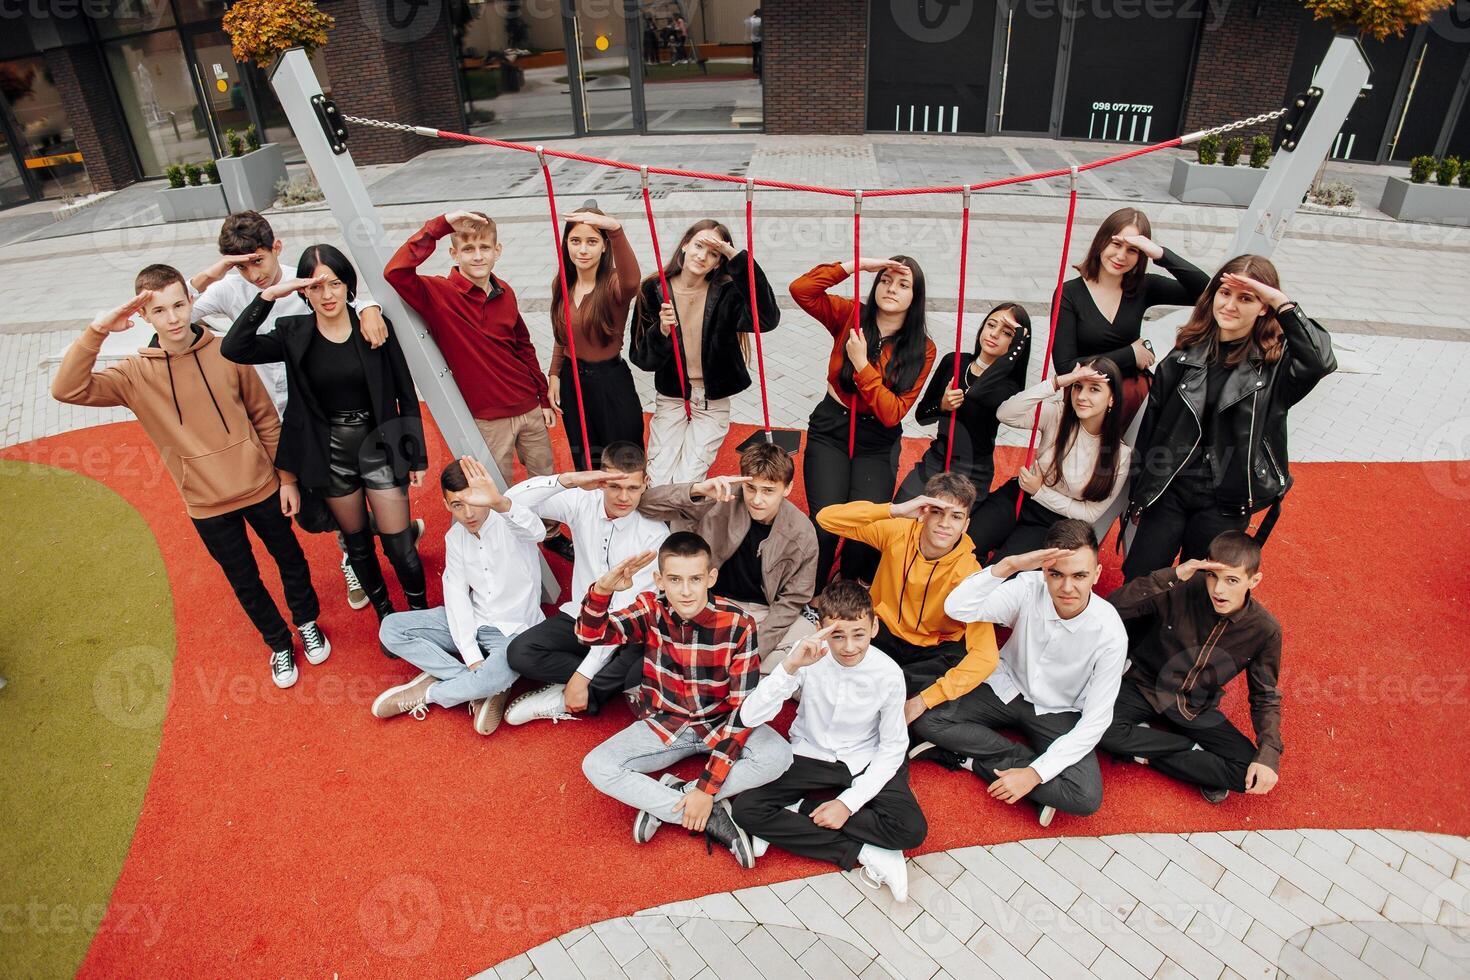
pixel 619 578
pixel 120 319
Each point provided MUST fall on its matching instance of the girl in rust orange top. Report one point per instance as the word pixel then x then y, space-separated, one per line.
pixel 876 371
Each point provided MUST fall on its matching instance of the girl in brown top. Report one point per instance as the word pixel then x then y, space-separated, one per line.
pixel 602 276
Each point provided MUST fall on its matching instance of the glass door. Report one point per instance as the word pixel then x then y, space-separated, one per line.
pixel 219 80
pixel 13 186
pixel 605 76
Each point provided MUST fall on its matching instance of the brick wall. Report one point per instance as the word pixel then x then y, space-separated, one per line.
pixel 101 133
pixel 399 68
pixel 1243 62
pixel 815 65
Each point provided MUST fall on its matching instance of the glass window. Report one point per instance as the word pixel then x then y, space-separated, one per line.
pixel 122 17
pixel 194 11
pixel 48 146
pixel 277 130
pixel 224 90
pixel 152 80
pixel 513 63
pixel 13 188
pixel 701 64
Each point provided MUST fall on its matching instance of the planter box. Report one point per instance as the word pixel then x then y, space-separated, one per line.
pixel 1426 202
pixel 250 180
pixel 1196 183
pixel 192 203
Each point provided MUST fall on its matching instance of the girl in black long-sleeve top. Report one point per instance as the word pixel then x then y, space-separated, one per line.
pixel 709 282
pixel 1211 449
pixel 352 431
pixel 1101 312
pixel 994 372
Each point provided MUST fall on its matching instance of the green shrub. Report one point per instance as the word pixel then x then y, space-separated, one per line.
pixel 1233 148
pixel 175 174
pixel 1464 176
pixel 235 143
pixel 252 138
pixel 211 171
pixel 192 174
pixel 1446 171
pixel 1260 150
pixel 1209 149
pixel 1334 194
pixel 301 190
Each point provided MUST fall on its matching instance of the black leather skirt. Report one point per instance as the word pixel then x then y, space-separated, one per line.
pixel 359 458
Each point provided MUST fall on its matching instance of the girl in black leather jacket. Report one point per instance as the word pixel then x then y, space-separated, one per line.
pixel 1211 450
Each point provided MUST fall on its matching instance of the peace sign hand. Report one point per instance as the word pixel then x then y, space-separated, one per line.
pixel 619 578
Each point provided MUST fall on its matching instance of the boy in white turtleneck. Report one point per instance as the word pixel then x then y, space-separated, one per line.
pixel 849 740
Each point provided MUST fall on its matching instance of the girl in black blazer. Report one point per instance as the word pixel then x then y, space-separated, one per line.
pixel 352 431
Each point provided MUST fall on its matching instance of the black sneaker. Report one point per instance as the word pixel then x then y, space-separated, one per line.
pixel 283 667
pixel 314 643
pixel 1215 796
pixel 723 830
pixel 561 545
pixel 930 752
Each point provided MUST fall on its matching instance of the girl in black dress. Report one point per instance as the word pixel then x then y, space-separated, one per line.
pixel 352 431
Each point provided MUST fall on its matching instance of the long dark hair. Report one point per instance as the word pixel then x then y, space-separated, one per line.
pixel 651 287
pixel 1020 343
pixel 600 311
pixel 1091 265
pixel 1105 471
pixel 330 256
pixel 909 343
pixel 1265 337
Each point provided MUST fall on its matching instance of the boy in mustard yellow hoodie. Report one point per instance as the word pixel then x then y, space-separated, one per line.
pixel 215 427
pixel 924 553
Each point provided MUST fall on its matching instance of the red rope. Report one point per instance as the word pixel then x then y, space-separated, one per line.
pixel 857 318
pixel 1056 303
pixel 566 307
pixel 676 335
pixel 959 323
pixel 755 315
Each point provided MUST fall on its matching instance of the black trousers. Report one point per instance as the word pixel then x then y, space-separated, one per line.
pixel 891 820
pixel 831 477
pixel 614 413
pixel 998 533
pixel 921 665
pixel 968 726
pixel 1220 762
pixel 1185 519
pixel 228 544
pixel 549 653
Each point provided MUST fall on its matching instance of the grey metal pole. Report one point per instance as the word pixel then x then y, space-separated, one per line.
pixel 1341 76
pixel 347 196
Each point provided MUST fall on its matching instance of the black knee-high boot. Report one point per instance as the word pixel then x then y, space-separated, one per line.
pixel 404 556
pixel 362 554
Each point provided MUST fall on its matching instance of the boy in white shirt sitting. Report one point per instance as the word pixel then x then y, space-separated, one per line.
pixel 492 593
pixel 849 740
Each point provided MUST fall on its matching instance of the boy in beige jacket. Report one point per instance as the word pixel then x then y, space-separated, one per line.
pixel 215 427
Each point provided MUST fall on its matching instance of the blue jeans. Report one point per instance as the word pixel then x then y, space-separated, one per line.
pixel 421 637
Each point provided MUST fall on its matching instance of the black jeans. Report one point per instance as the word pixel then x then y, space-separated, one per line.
pixel 550 654
pixel 1220 761
pixel 921 665
pixel 1186 518
pixel 833 478
pixel 997 531
pixel 227 543
pixel 891 820
pixel 968 726
pixel 614 413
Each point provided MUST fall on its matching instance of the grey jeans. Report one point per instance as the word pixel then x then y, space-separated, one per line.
pixel 617 767
pixel 421 637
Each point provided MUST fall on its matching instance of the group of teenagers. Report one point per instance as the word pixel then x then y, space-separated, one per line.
pixel 705 602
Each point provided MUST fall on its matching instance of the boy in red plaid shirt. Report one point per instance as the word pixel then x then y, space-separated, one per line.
pixel 701 663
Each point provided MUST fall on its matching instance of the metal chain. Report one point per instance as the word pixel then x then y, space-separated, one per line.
pixel 1244 123
pixel 381 124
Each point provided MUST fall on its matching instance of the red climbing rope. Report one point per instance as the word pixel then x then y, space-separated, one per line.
pixel 1056 303
pixel 959 321
pixel 857 314
pixel 566 309
pixel 676 335
pixel 755 315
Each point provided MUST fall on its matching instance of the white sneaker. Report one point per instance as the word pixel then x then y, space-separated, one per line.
pixel 881 866
pixel 548 702
pixel 759 846
pixel 1046 815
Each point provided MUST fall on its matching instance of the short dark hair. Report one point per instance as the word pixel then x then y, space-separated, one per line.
pixel 684 544
pixel 768 461
pixel 331 257
pixel 844 599
pixel 625 457
pixel 452 478
pixel 952 485
pixel 1072 534
pixel 245 231
pixel 159 277
pixel 1237 549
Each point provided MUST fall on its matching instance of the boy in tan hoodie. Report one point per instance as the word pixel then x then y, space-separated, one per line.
pixel 215 427
pixel 924 553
